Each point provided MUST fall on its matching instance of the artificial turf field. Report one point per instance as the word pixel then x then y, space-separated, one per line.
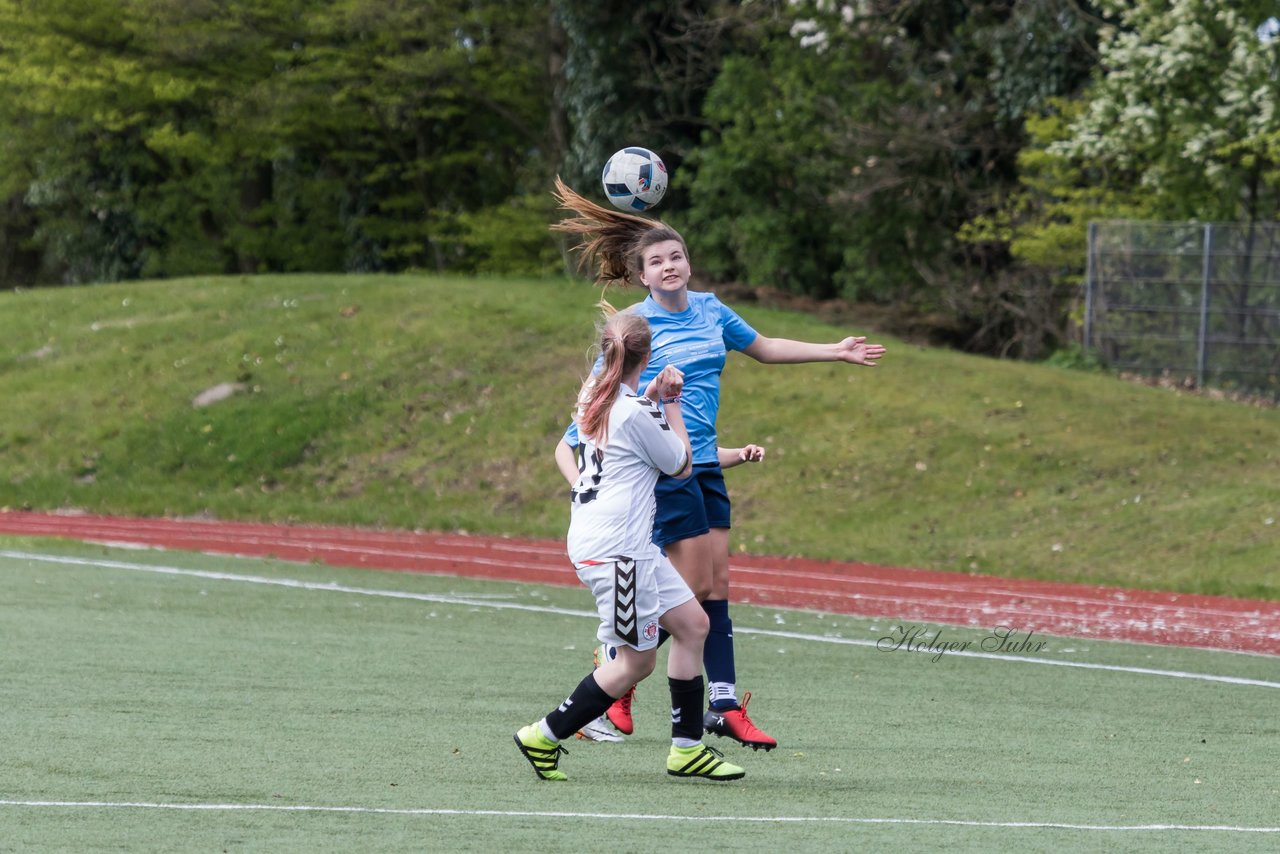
pixel 158 700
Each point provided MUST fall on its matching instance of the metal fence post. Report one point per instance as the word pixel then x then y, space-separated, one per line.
pixel 1202 345
pixel 1089 285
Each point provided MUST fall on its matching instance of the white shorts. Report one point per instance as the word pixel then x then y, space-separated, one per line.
pixel 631 595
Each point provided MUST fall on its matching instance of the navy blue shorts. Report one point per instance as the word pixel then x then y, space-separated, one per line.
pixel 692 506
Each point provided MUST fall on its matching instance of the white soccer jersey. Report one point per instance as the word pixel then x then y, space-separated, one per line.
pixel 613 501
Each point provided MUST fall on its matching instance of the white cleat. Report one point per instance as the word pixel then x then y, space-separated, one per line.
pixel 599 730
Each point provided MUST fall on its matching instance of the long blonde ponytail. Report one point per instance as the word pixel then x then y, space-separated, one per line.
pixel 624 344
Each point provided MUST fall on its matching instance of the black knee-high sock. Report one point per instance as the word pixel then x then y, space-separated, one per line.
pixel 686 707
pixel 587 702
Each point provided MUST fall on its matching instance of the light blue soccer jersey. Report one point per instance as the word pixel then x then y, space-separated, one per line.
pixel 697 341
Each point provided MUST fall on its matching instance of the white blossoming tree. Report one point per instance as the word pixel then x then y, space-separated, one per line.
pixel 1186 102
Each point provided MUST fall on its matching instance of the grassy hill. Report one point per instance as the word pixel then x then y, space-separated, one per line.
pixel 434 403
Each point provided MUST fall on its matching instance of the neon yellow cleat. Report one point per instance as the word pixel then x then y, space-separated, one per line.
pixel 543 753
pixel 701 761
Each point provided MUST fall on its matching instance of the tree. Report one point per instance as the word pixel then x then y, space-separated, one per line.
pixel 636 73
pixel 76 195
pixel 850 143
pixel 429 110
pixel 161 137
pixel 1027 308
pixel 783 160
pixel 1187 101
pixel 1187 98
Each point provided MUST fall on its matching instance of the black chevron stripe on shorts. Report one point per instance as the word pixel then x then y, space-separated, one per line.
pixel 625 624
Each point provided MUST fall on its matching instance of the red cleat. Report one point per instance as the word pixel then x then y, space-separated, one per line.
pixel 619 713
pixel 733 723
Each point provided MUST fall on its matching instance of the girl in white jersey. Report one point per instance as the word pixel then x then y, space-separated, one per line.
pixel 692 331
pixel 627 442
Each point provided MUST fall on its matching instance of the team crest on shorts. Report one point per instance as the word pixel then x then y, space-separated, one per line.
pixel 650 630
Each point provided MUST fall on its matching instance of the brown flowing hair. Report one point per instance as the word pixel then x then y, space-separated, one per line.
pixel 614 240
pixel 624 344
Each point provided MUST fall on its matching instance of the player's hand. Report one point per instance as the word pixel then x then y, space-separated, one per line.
pixel 654 390
pixel 667 384
pixel 857 351
pixel 751 454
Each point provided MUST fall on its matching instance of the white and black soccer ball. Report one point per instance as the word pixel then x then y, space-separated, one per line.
pixel 634 179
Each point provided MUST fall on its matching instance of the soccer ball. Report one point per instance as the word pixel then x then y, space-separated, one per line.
pixel 634 179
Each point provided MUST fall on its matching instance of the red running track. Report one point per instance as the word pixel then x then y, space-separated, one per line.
pixel 1075 610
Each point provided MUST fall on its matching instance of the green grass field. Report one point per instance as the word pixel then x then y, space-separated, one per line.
pixel 435 402
pixel 172 701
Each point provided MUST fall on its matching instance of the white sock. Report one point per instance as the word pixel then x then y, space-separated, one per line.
pixel 685 742
pixel 546 730
pixel 723 691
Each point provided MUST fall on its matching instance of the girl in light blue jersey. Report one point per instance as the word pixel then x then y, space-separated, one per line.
pixel 694 332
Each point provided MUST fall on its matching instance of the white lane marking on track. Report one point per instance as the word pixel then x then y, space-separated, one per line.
pixel 319 546
pixel 334 587
pixel 1054 621
pixel 858 585
pixel 1051 825
pixel 860 588
pixel 1100 625
pixel 997 588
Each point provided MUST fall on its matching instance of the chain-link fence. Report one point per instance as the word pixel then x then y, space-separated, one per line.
pixel 1196 301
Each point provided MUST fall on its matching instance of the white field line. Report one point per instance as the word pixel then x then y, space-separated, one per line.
pixel 997 593
pixel 1067 624
pixel 445 599
pixel 887 601
pixel 1088 628
pixel 790 819
pixel 998 588
pixel 411 551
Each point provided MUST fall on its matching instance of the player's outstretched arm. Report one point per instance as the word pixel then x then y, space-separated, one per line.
pixel 783 351
pixel 730 457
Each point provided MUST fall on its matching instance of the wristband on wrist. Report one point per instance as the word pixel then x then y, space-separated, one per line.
pixel 667 400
